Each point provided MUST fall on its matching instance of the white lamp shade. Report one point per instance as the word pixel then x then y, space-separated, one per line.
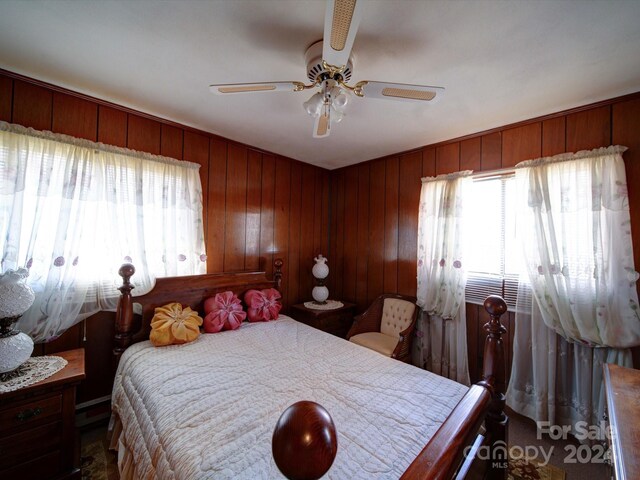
pixel 340 101
pixel 313 105
pixel 337 116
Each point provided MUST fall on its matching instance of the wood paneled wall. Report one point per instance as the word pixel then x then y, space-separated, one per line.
pixel 374 205
pixel 257 206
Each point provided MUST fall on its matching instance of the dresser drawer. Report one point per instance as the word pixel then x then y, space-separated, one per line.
pixel 38 468
pixel 30 412
pixel 21 447
pixel 37 430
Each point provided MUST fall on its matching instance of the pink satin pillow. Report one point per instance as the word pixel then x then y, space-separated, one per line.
pixel 263 306
pixel 223 312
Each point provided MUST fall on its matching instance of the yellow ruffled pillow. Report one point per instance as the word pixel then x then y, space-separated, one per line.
pixel 173 325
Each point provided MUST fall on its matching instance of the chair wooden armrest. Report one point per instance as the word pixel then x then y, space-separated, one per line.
pixel 369 321
pixel 402 351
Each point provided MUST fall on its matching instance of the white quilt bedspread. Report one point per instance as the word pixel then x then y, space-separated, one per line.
pixel 207 409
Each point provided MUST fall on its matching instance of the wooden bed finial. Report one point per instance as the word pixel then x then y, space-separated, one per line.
pixel 304 442
pixel 493 375
pixel 277 273
pixel 124 313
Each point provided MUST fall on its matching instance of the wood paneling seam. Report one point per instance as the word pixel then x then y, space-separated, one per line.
pixel 246 208
pixel 13 96
pixel 226 175
pixel 384 226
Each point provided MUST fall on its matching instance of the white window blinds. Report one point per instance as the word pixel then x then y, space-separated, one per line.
pixel 492 253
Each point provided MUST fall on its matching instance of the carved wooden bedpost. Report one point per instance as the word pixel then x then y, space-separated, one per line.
pixel 277 272
pixel 124 313
pixel 493 375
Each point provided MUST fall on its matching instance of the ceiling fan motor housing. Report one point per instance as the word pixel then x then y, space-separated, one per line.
pixel 315 69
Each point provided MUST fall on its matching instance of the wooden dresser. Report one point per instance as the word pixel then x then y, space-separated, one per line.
pixel 37 426
pixel 622 387
pixel 337 321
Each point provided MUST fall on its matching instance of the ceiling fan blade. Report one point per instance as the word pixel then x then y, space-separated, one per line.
pixel 322 125
pixel 256 87
pixel 399 91
pixel 341 22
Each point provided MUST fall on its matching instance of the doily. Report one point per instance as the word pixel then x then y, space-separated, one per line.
pixel 30 372
pixel 329 305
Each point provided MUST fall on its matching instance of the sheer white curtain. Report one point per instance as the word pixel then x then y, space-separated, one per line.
pixel 72 211
pixel 441 343
pixel 577 303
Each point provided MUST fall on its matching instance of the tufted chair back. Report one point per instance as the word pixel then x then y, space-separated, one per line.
pixel 397 315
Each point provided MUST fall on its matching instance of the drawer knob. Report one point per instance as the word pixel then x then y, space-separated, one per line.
pixel 28 414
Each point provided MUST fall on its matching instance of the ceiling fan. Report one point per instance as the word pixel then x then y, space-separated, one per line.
pixel 329 68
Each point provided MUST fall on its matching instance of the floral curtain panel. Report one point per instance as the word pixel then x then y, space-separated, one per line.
pixel 577 303
pixel 72 211
pixel 441 345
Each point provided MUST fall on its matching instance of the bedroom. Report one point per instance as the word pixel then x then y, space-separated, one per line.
pixel 284 205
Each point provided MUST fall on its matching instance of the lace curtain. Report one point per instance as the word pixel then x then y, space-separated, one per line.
pixel 72 211
pixel 577 303
pixel 441 344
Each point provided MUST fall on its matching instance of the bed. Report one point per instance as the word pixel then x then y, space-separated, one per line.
pixel 208 409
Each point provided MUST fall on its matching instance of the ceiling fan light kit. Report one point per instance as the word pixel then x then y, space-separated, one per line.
pixel 330 67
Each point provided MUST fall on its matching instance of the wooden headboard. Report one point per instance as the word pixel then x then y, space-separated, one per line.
pixel 189 291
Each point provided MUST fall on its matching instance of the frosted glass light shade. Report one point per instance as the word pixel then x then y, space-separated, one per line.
pixel 340 100
pixel 313 105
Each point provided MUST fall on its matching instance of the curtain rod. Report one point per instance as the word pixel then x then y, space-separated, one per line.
pixel 502 172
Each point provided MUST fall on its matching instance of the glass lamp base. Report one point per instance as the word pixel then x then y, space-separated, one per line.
pixel 15 346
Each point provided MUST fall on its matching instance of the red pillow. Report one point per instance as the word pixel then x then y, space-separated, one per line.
pixel 263 306
pixel 223 312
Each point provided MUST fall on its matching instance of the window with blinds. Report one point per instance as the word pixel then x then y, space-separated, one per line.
pixel 493 260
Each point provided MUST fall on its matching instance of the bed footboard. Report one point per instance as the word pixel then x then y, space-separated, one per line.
pixel 451 452
pixel 456 442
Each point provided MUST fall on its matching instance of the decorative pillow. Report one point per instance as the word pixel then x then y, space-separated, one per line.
pixel 171 324
pixel 263 306
pixel 224 312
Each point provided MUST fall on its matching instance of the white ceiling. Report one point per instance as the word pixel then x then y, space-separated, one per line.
pixel 500 62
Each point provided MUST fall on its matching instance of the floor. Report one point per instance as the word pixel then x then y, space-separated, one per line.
pixel 561 453
pixel 522 434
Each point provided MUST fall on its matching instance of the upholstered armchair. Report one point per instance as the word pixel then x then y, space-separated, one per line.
pixel 387 326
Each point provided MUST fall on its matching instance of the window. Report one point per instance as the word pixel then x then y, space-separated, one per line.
pixel 73 211
pixel 493 259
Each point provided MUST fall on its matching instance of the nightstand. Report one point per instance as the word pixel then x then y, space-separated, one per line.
pixel 37 426
pixel 337 321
